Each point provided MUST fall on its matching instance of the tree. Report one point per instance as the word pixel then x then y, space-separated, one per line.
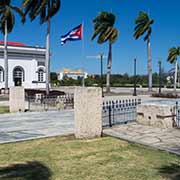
pixel 53 76
pixel 143 26
pixel 46 9
pixel 7 22
pixel 104 29
pixel 173 59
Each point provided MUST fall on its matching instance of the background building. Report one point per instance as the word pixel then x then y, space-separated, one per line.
pixel 26 66
pixel 74 74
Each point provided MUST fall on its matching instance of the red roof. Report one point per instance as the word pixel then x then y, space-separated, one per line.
pixel 12 43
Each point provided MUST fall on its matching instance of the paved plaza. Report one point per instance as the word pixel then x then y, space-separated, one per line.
pixel 163 139
pixel 32 125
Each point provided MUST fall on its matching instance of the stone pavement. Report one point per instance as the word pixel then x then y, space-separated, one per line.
pixel 163 139
pixel 31 125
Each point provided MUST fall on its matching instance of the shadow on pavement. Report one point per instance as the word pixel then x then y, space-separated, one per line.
pixel 171 171
pixel 28 171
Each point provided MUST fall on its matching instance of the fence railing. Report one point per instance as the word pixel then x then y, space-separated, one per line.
pixel 44 103
pixel 119 111
pixel 177 113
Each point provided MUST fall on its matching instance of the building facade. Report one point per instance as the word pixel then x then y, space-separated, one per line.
pixel 74 74
pixel 26 66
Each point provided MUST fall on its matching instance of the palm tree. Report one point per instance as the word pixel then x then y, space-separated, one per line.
pixel 143 26
pixel 7 22
pixel 173 59
pixel 46 9
pixel 105 30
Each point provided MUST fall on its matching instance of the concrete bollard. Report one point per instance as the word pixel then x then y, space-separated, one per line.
pixel 88 112
pixel 17 99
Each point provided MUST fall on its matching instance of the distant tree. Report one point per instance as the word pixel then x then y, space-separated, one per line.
pixel 7 22
pixel 46 9
pixel 143 25
pixel 53 79
pixel 164 76
pixel 53 76
pixel 173 59
pixel 105 30
pixel 155 78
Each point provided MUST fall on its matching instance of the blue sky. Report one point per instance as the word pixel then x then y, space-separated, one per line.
pixel 166 33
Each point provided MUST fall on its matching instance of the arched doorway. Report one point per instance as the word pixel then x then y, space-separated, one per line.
pixel 18 76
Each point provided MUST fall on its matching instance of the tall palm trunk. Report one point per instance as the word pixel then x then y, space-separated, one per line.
pixel 149 65
pixel 6 58
pixel 47 56
pixel 109 65
pixel 175 75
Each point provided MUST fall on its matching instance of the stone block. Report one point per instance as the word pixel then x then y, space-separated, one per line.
pixel 160 116
pixel 88 112
pixel 17 99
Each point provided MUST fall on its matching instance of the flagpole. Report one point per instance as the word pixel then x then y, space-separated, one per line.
pixel 82 54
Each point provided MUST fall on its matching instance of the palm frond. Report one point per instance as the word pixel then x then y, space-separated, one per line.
pixel 143 26
pixel 7 15
pixel 105 17
pixel 104 36
pixel 114 35
pixel 43 8
pixel 37 9
pixel 173 54
pixel 42 15
pixel 103 26
pixel 10 22
pixel 148 34
pixel 26 2
pixel 53 8
pixel 142 17
pixel 28 5
pixel 20 12
pixel 99 28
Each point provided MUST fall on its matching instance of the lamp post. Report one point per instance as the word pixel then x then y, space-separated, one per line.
pixel 135 93
pixel 160 80
pixel 101 56
pixel 83 80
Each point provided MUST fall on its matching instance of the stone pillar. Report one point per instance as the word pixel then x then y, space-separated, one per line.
pixel 88 112
pixel 17 99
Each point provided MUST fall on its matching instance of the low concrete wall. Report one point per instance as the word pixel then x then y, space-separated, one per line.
pixel 17 99
pixel 155 115
pixel 88 112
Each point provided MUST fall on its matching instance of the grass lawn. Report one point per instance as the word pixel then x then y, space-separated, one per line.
pixel 4 109
pixel 64 158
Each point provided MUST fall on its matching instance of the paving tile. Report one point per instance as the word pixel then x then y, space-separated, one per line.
pixel 164 139
pixel 25 126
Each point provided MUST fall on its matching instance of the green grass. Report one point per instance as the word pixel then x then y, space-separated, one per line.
pixel 64 158
pixel 4 109
pixel 4 99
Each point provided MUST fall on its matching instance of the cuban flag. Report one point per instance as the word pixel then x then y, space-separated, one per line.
pixel 74 35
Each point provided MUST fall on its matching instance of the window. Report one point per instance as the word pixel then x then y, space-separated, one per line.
pixel 18 73
pixel 41 75
pixel 1 74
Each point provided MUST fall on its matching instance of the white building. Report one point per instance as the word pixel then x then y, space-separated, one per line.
pixel 74 74
pixel 26 66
